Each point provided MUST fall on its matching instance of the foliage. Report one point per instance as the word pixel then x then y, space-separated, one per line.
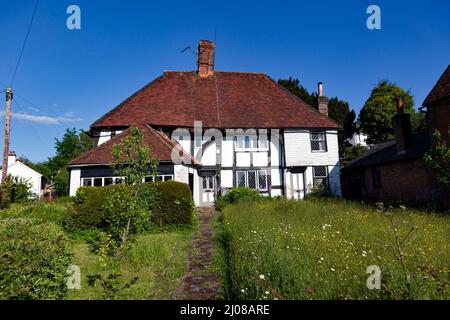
pixel 34 260
pixel 438 158
pixel 321 248
pixel 156 260
pixel 375 117
pixel 236 195
pixel 351 153
pixel 43 211
pixel 294 87
pixel 19 189
pixel 88 208
pixel 132 161
pixel 175 204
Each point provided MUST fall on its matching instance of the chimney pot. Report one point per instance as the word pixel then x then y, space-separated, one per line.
pixel 320 89
pixel 205 59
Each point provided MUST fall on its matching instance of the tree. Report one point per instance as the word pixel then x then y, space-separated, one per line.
pixel 294 87
pixel 127 207
pixel 438 158
pixel 375 117
pixel 340 112
pixel 350 153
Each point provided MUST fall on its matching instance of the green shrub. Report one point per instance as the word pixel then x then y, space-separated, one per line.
pixel 235 195
pixel 175 205
pixel 43 210
pixel 33 260
pixel 88 208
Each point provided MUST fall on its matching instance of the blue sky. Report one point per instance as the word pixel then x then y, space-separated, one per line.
pixel 69 78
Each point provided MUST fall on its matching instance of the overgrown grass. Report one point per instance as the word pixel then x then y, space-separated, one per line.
pixel 320 249
pixel 157 260
pixel 55 212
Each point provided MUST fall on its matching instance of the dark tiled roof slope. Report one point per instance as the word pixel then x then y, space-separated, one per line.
pixel 224 100
pixel 440 90
pixel 160 145
pixel 387 152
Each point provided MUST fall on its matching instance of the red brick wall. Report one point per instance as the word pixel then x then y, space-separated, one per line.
pixel 439 118
pixel 406 180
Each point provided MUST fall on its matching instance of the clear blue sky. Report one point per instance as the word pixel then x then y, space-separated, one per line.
pixel 70 78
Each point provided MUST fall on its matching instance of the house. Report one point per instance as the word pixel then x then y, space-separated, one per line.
pixel 16 168
pixel 358 138
pixel 395 170
pixel 215 130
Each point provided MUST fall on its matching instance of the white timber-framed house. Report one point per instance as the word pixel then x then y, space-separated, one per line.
pixel 216 130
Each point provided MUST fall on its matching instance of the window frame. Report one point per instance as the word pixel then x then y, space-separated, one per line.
pixel 326 177
pixel 257 173
pixel 251 143
pixel 324 140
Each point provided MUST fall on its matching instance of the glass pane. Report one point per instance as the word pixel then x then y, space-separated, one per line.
pixel 118 180
pixel 252 179
pixel 247 142
pixel 320 172
pixel 108 181
pixel 167 178
pixel 98 182
pixel 241 179
pixel 158 178
pixel 87 182
pixel 148 179
pixel 262 180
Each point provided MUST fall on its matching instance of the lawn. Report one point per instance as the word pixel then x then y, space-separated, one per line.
pixel 321 249
pixel 156 259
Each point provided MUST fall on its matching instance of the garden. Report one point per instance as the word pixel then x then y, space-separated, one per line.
pixel 330 249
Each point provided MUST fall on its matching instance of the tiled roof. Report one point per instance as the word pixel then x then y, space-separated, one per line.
pixel 224 100
pixel 440 90
pixel 160 146
pixel 387 152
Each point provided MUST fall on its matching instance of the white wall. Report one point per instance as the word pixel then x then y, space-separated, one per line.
pixel 181 173
pixel 75 181
pixel 18 169
pixel 298 149
pixel 104 136
pixel 226 178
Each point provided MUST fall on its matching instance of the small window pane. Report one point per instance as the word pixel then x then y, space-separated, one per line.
pixel 263 142
pixel 167 178
pixel 252 179
pixel 247 142
pixel 108 181
pixel 241 179
pixel 119 180
pixel 87 182
pixel 262 180
pixel 148 179
pixel 98 182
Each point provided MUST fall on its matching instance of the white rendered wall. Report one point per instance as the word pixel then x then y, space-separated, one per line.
pixel 21 171
pixel 75 181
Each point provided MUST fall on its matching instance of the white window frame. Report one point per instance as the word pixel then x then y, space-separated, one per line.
pixel 257 175
pixel 211 181
pixel 318 140
pixel 251 143
pixel 164 177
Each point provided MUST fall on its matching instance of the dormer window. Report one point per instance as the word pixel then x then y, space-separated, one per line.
pixel 318 140
pixel 251 143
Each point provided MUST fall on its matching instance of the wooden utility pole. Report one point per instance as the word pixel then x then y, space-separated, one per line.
pixel 9 97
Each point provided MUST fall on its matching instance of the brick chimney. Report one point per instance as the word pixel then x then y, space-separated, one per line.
pixel 205 60
pixel 322 101
pixel 402 127
pixel 11 158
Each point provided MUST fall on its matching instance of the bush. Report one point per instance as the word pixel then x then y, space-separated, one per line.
pixel 43 211
pixel 175 205
pixel 235 195
pixel 33 261
pixel 88 208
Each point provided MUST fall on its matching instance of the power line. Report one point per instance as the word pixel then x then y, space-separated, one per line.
pixel 24 42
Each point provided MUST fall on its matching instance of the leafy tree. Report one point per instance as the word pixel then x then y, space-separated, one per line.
pixel 339 111
pixel 132 161
pixel 438 158
pixel 376 115
pixel 294 87
pixel 351 153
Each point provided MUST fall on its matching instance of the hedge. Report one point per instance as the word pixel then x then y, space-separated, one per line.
pixel 34 259
pixel 235 195
pixel 168 203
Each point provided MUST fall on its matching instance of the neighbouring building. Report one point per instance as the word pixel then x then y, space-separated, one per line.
pixel 396 170
pixel 215 130
pixel 16 168
pixel 358 138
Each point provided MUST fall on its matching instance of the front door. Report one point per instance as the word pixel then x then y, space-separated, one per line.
pixel 207 193
pixel 298 186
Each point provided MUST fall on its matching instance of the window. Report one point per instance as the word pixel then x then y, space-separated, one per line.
pixel 164 177
pixel 108 181
pixel 320 176
pixel 251 142
pixel 98 182
pixel 318 140
pixel 87 182
pixel 376 177
pixel 254 179
pixel 208 183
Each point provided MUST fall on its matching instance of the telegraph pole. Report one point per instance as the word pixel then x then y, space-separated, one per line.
pixel 9 97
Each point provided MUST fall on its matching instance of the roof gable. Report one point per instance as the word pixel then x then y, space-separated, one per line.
pixel 225 100
pixel 24 166
pixel 440 90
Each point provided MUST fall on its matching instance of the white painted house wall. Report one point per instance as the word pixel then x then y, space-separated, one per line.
pixel 20 170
